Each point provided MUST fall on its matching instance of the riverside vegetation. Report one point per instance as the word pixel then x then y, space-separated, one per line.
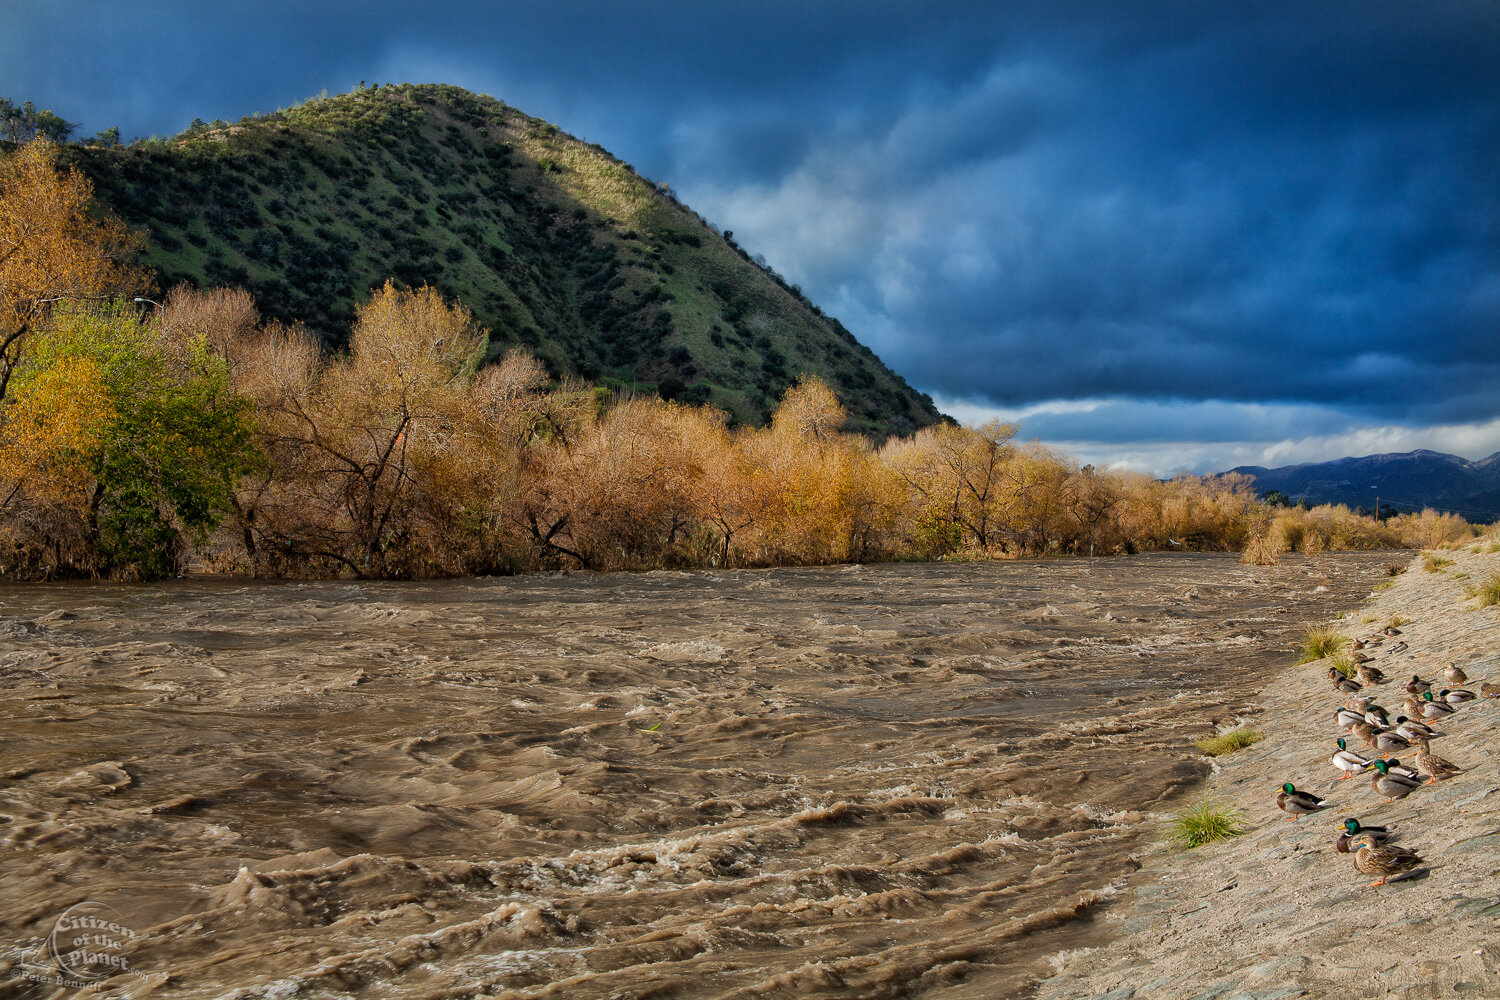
pixel 138 438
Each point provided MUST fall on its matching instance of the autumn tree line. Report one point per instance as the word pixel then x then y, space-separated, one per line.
pixel 139 437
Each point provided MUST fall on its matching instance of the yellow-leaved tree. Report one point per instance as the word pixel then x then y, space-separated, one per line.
pixel 53 248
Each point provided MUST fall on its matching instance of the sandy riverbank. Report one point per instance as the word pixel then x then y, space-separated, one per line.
pixel 1278 912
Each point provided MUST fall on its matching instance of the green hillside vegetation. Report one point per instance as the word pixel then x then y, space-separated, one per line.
pixel 554 244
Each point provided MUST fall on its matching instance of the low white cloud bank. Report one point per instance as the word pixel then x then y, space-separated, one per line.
pixel 1200 437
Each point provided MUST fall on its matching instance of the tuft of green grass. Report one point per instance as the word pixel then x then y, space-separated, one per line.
pixel 1321 642
pixel 1225 743
pixel 1342 664
pixel 1488 592
pixel 1492 547
pixel 1205 822
pixel 1435 563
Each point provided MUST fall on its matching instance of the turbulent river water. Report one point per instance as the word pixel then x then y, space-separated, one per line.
pixel 865 781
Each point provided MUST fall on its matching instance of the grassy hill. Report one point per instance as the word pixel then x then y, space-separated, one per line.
pixel 552 242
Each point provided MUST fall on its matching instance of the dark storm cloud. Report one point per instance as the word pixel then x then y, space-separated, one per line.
pixel 1286 203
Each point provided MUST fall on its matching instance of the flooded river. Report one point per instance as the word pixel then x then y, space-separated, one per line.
pixel 870 781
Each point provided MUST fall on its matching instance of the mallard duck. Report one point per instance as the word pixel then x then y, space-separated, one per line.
pixel 1456 697
pixel 1396 767
pixel 1438 768
pixel 1399 647
pixel 1430 708
pixel 1341 683
pixel 1385 861
pixel 1365 732
pixel 1390 631
pixel 1296 803
pixel 1369 674
pixel 1388 741
pixel 1357 645
pixel 1348 762
pixel 1359 704
pixel 1352 835
pixel 1417 685
pixel 1392 786
pixel 1347 718
pixel 1377 717
pixel 1489 690
pixel 1410 729
pixel 1455 675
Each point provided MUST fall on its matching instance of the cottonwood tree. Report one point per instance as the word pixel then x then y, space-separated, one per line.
pixel 120 445
pixel 347 435
pixel 52 249
pixel 1095 496
pixel 956 477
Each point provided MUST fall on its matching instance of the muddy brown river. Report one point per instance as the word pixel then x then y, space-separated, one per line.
pixel 907 780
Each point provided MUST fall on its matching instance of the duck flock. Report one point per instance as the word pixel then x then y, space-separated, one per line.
pixel 1383 738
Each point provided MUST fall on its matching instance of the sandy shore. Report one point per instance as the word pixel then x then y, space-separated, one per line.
pixel 1278 912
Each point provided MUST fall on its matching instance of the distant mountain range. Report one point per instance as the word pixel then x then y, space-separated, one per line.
pixel 1405 481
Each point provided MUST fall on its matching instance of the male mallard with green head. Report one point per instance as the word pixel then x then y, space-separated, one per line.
pixel 1431 709
pixel 1391 784
pixel 1348 762
pixel 1296 804
pixel 1396 767
pixel 1352 835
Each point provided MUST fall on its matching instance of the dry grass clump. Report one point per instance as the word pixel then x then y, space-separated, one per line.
pixel 1432 563
pixel 1227 743
pixel 1396 621
pixel 1488 592
pixel 1318 643
pixel 1395 569
pixel 1205 822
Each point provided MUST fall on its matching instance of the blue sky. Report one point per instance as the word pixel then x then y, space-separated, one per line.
pixel 1167 235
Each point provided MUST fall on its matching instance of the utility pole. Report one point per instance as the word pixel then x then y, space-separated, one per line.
pixel 1377 508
